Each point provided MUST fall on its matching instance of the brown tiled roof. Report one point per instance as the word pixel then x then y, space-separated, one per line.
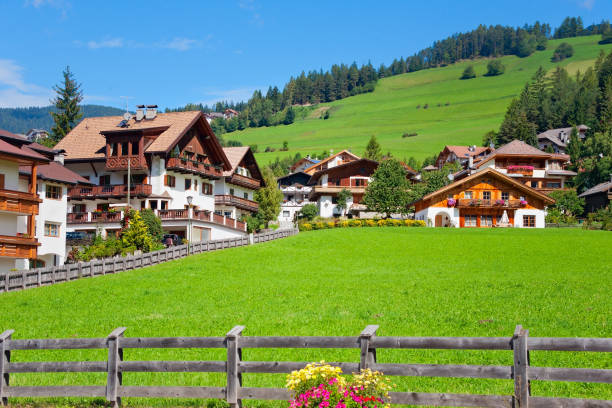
pixel 560 156
pixel 461 151
pixel 492 172
pixel 308 169
pixel 21 152
pixel 600 188
pixel 514 148
pixel 86 141
pixel 234 155
pixel 54 171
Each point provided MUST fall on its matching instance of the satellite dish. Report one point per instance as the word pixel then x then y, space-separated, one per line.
pixel 127 116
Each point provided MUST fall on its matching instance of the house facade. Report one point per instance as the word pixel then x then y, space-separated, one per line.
pixel 167 162
pixel 235 192
pixel 557 139
pixel 353 175
pixel 461 155
pixel 597 197
pixel 484 199
pixel 296 194
pixel 334 160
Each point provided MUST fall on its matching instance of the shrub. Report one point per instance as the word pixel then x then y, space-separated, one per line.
pixel 320 225
pixel 370 223
pixel 412 134
pixel 563 51
pixel 309 211
pixel 331 224
pixel 355 223
pixel 342 224
pixel 495 67
pixel 426 106
pixel 305 227
pixel 468 73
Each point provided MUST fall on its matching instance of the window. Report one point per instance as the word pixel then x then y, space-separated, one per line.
pixel 553 185
pixel 231 192
pixel 486 221
pixel 195 185
pixel 170 181
pixel 468 194
pixel 246 196
pixel 164 205
pixel 153 204
pixel 78 208
pixel 105 180
pixel 187 184
pixel 114 149
pixel 51 230
pixel 286 214
pixel 125 148
pixel 529 221
pixel 505 195
pixel 207 189
pixel 53 192
pixel 102 207
pixel 486 195
pixel 470 220
pixel 534 184
pixel 359 182
pixel 134 148
pixel 228 214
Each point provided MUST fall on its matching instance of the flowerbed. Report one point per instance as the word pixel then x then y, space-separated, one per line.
pixel 320 385
pixel 309 226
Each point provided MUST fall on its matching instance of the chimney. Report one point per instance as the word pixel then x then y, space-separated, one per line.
pixel 140 112
pixel 59 157
pixel 151 112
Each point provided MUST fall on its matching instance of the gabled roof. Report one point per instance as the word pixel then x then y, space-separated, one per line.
pixel 461 151
pixel 331 158
pixel 600 188
pixel 235 155
pixel 302 160
pixel 514 148
pixel 360 162
pixel 18 149
pixel 494 173
pixel 54 171
pixel 553 134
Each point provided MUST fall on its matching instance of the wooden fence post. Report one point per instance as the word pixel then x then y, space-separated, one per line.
pixel 6 282
pixel 368 354
pixel 521 363
pixel 5 358
pixel 234 378
pixel 115 356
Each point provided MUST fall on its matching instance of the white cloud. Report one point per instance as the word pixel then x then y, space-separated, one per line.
pixel 235 95
pixel 62 5
pixel 251 6
pixel 109 43
pixel 587 4
pixel 14 91
pixel 180 44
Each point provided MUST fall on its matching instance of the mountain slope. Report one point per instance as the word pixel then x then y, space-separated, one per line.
pixel 20 120
pixel 474 107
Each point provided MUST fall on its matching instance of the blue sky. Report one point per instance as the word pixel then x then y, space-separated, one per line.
pixel 174 52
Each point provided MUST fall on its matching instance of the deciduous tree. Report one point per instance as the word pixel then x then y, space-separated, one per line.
pixel 387 193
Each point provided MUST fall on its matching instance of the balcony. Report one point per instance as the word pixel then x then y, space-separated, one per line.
pixel 18 247
pixel 525 171
pixel 475 203
pixel 182 165
pixel 333 190
pixel 237 202
pixel 114 163
pixel 110 191
pixel 94 217
pixel 244 181
pixel 19 202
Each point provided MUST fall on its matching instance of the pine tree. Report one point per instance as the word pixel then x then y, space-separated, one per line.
pixel 67 103
pixel 373 150
pixel 269 198
pixel 517 126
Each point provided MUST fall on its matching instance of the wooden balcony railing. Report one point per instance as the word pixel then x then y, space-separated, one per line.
pixel 19 202
pixel 121 163
pixel 94 217
pixel 181 165
pixel 173 214
pixel 18 247
pixel 117 190
pixel 524 170
pixel 244 181
pixel 238 202
pixel 467 203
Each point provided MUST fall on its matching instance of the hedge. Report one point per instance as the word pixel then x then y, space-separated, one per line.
pixel 309 226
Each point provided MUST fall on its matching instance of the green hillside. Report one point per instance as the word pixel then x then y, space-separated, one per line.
pixel 474 107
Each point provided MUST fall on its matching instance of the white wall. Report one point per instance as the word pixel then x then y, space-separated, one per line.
pixel 11 174
pixel 8 224
pixel 53 211
pixel 429 215
pixel 326 207
pixel 540 217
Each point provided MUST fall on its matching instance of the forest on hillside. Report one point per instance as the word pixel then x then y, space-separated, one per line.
pixel 20 120
pixel 277 107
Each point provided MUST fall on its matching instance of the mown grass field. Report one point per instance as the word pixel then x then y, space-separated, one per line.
pixel 410 281
pixel 475 107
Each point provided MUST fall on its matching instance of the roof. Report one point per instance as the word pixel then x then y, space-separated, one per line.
pixel 319 173
pixel 330 158
pixel 54 171
pixel 21 152
pixel 234 155
pixel 86 140
pixel 461 151
pixel 553 134
pixel 302 160
pixel 514 148
pixel 600 188
pixel 492 172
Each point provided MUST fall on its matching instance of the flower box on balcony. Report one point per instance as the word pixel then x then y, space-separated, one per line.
pixel 451 202
pixel 523 203
pixel 500 202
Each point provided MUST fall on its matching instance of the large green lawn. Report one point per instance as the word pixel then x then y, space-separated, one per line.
pixel 475 107
pixel 410 281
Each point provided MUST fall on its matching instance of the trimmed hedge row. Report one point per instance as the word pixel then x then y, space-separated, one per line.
pixel 309 226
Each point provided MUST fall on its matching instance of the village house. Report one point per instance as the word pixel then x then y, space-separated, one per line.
pixel 539 170
pixel 337 159
pixel 168 162
pixel 558 139
pixel 461 155
pixel 353 175
pixel 487 198
pixel 296 194
pixel 234 193
pixel 597 197
pixel 303 164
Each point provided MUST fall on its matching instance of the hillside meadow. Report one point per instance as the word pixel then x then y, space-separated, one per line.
pixel 475 106
pixel 410 281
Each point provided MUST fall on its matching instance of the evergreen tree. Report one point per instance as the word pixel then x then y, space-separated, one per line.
pixel 269 198
pixel 67 101
pixel 373 150
pixel 387 193
pixel 289 116
pixel 137 235
pixel 517 126
pixel 153 223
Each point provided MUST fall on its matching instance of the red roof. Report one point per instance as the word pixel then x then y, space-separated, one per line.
pixel 54 171
pixel 21 152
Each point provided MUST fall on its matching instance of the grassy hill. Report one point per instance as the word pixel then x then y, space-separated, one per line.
pixel 488 281
pixel 475 107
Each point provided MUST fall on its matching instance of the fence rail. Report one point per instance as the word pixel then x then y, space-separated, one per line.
pixel 25 279
pixel 521 372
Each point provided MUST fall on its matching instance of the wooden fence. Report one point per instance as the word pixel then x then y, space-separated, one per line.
pixel 20 280
pixel 367 343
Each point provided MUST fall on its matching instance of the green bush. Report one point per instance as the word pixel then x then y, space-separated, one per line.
pixel 356 223
pixel 468 73
pixel 495 67
pixel 563 51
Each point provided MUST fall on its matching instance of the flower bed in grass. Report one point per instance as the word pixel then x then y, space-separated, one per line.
pixel 309 226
